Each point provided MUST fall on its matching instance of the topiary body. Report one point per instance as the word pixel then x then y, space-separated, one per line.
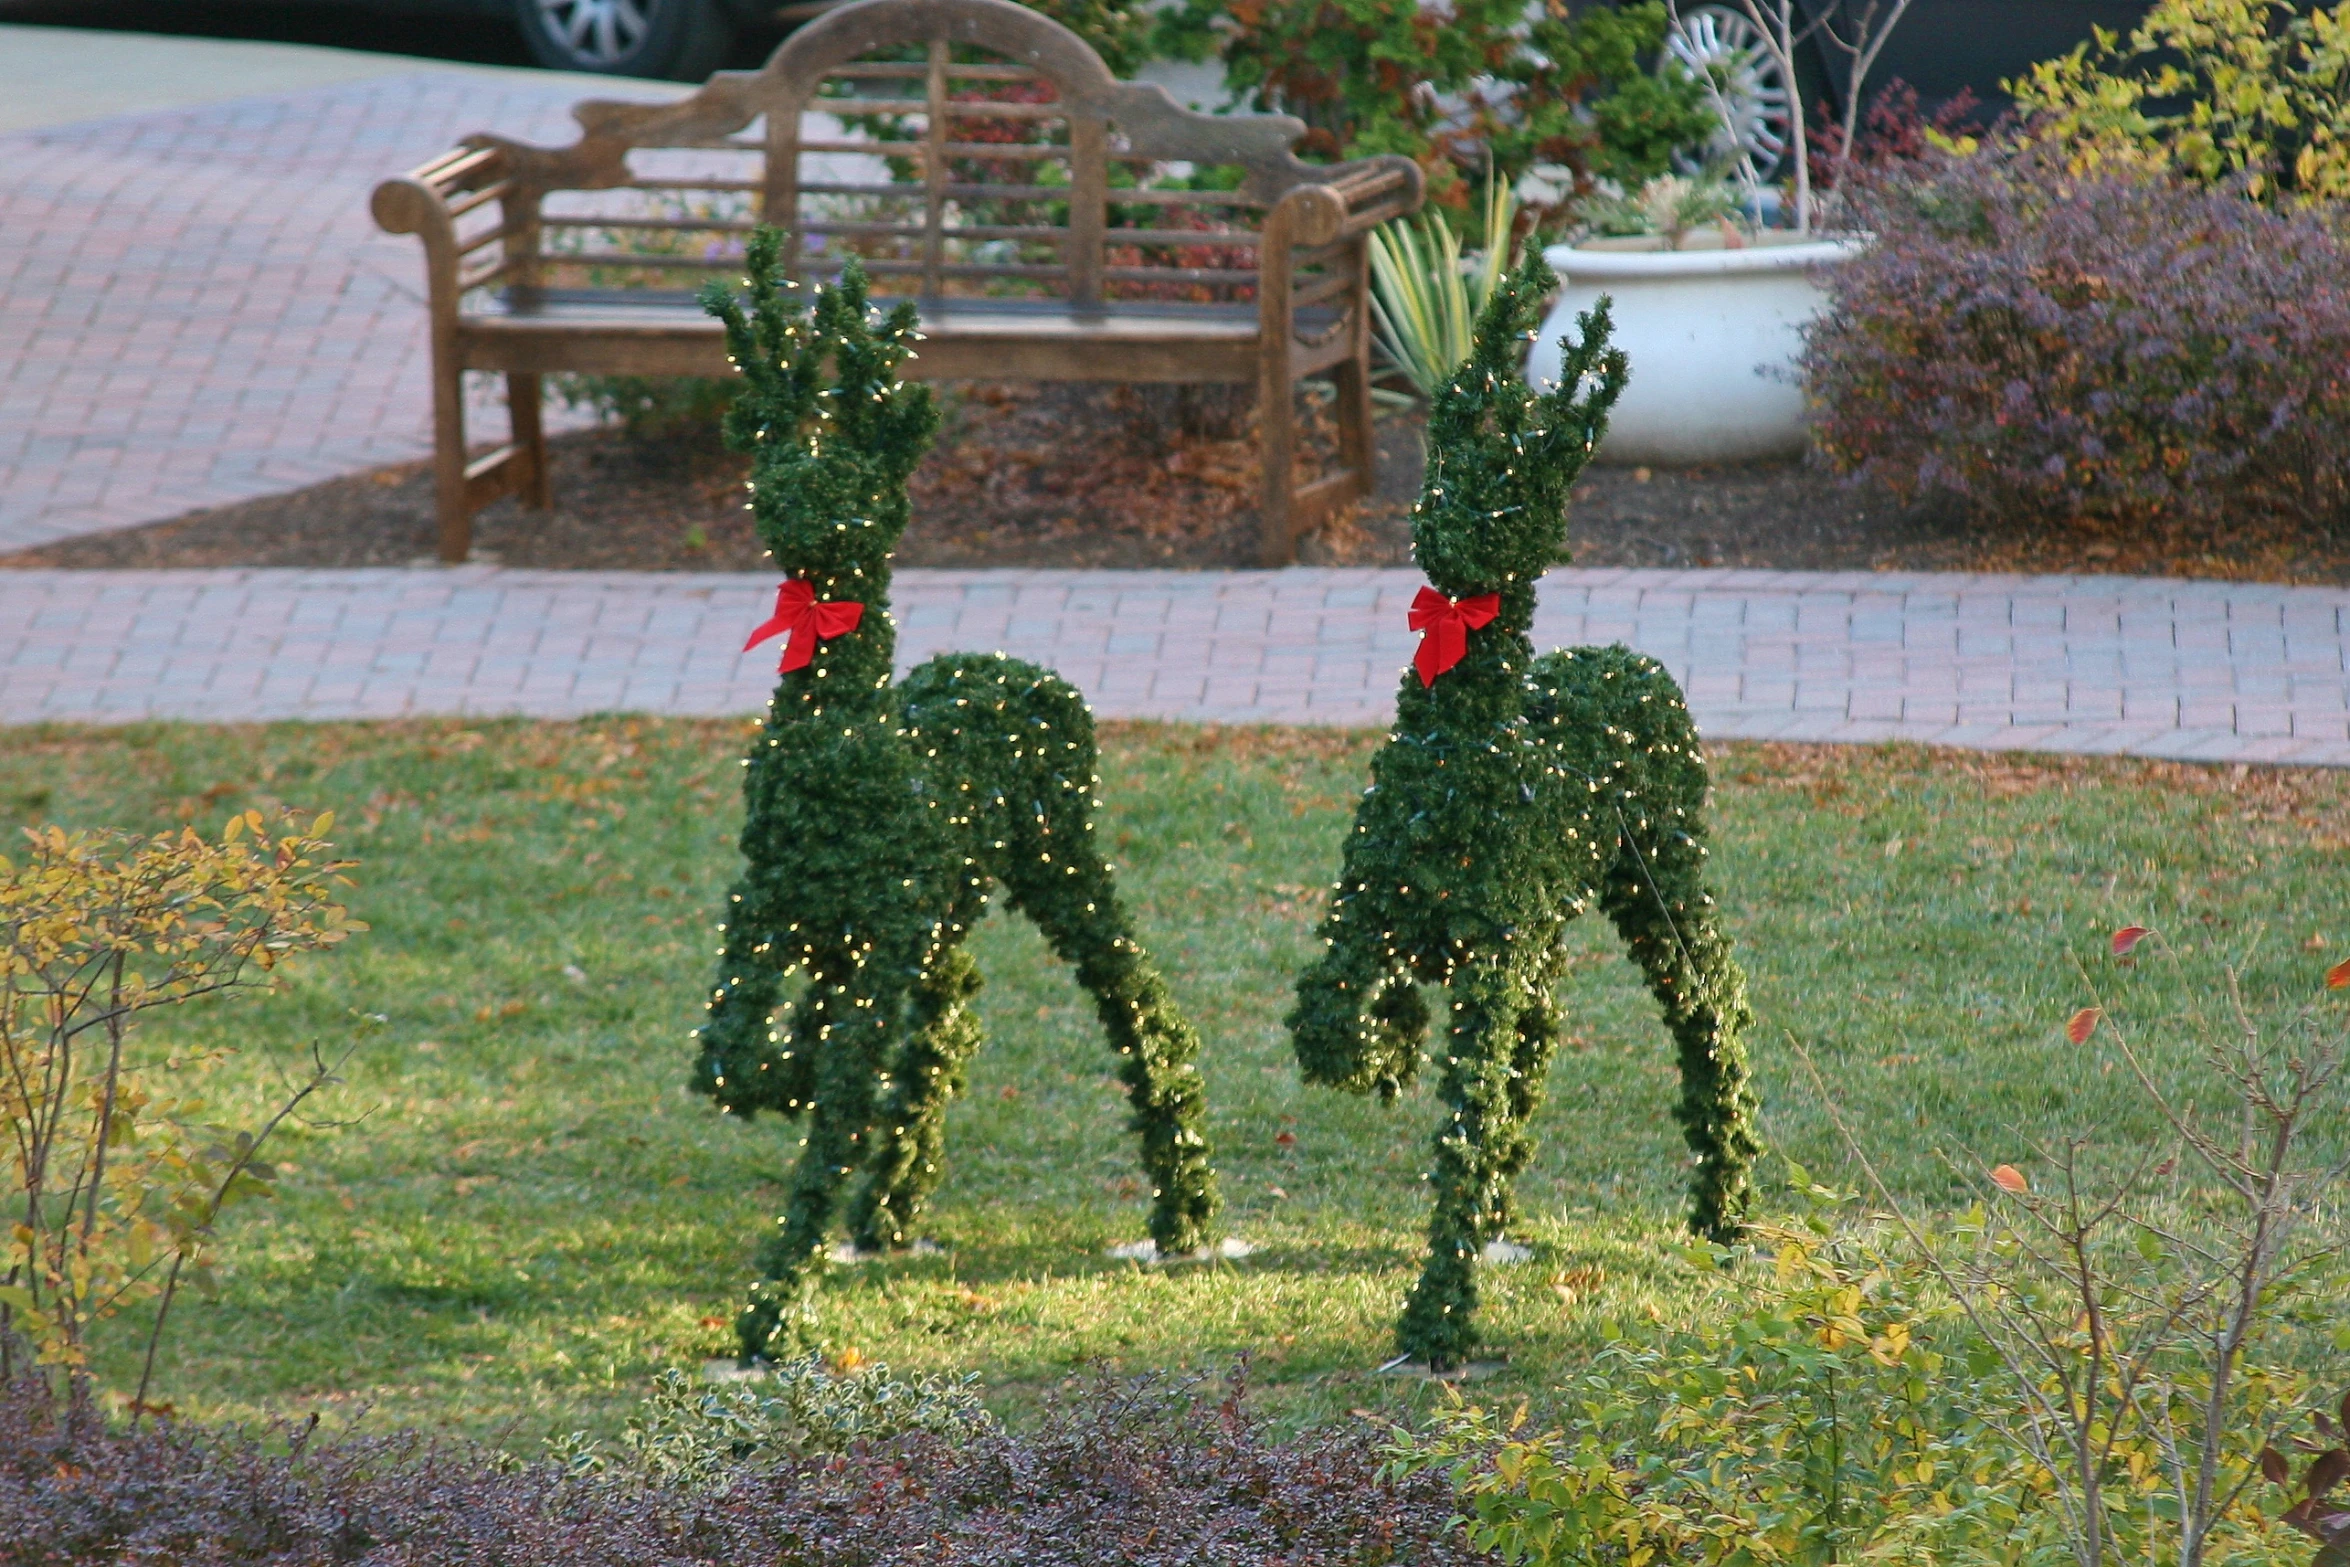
pixel 880 819
pixel 1514 794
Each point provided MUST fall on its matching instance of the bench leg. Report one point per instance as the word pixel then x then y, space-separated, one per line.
pixel 1277 449
pixel 448 459
pixel 1355 451
pixel 530 441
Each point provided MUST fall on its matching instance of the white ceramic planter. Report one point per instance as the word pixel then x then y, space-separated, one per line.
pixel 1712 336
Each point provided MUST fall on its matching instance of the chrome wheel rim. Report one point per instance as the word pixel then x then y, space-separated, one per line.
pixel 1722 44
pixel 596 32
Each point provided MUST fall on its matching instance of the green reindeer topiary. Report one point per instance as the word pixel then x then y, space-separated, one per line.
pixel 880 818
pixel 1514 794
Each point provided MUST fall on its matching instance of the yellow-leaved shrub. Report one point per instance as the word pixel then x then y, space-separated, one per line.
pixel 117 1166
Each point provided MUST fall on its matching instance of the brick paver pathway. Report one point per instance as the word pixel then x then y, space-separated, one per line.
pixel 195 307
pixel 2215 671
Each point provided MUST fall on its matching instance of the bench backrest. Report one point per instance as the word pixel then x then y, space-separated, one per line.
pixel 960 147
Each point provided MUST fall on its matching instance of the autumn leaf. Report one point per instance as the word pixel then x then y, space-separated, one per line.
pixel 2083 1024
pixel 2274 1467
pixel 2338 976
pixel 2010 1179
pixel 2126 939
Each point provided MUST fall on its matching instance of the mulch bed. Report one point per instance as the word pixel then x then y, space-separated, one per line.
pixel 1091 476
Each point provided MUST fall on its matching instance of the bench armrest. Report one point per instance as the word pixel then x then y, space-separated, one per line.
pixel 429 200
pixel 1348 199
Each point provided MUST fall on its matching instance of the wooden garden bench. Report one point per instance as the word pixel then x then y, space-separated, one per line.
pixel 982 161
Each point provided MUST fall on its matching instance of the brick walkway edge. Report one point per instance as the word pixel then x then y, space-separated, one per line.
pixel 2187 670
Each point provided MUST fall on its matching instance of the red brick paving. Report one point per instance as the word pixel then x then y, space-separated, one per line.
pixel 195 307
pixel 2192 670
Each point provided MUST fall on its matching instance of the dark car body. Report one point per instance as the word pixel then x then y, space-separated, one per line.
pixel 1945 47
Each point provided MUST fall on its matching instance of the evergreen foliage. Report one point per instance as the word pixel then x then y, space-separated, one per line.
pixel 1515 793
pixel 879 821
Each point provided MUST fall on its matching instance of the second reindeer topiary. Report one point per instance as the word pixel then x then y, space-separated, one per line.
pixel 880 819
pixel 1514 794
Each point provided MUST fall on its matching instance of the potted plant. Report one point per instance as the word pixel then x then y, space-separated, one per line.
pixel 1710 303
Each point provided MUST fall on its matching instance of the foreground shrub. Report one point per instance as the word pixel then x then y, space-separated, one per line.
pixel 2102 1361
pixel 117 1167
pixel 2048 346
pixel 1136 1475
pixel 2252 90
pixel 696 1433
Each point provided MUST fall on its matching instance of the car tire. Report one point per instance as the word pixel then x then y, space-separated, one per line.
pixel 674 40
pixel 1762 99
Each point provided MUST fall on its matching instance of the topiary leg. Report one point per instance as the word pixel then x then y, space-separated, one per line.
pixel 1514 1145
pixel 1357 1023
pixel 1076 906
pixel 1656 893
pixel 853 1018
pixel 1658 900
pixel 740 1064
pixel 1018 743
pixel 1475 1149
pixel 909 1136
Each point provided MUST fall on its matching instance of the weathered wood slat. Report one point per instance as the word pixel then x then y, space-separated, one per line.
pixel 1239 239
pixel 451 167
pixel 1234 275
pixel 907 70
pixel 492 236
pixel 631 261
pixel 664 182
pixel 1334 286
pixel 473 200
pixel 885 267
pixel 482 277
pixel 650 225
pixel 951 108
pixel 953 231
pixel 934 165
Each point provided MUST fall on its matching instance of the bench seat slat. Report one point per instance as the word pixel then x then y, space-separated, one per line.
pixel 980 339
pixel 562 309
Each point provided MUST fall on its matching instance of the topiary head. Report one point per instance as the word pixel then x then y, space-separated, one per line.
pixel 1501 457
pixel 832 432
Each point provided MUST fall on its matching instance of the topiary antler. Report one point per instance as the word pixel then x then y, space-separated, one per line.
pixel 1502 456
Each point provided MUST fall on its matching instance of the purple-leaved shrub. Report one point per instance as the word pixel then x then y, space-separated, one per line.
pixel 1136 1475
pixel 2050 346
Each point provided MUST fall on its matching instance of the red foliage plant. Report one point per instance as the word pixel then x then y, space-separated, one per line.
pixel 1139 1475
pixel 2047 345
pixel 1895 131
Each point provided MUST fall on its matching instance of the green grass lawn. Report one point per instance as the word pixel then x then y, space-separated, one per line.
pixel 527 1215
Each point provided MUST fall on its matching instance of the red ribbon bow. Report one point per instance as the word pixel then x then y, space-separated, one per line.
pixel 1444 625
pixel 803 622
